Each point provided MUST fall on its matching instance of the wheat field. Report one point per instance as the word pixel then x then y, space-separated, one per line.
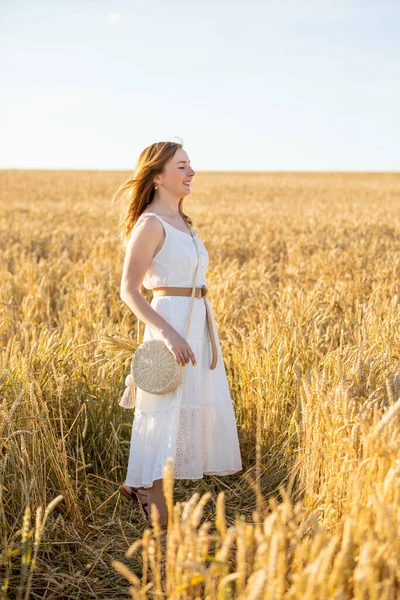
pixel 304 280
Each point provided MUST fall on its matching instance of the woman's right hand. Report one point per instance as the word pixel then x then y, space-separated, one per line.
pixel 179 347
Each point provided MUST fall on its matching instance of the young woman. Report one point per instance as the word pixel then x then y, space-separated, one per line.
pixel 195 423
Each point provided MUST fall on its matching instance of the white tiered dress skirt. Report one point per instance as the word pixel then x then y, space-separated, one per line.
pixel 194 424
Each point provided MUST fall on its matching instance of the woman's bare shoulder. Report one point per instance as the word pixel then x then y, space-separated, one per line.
pixel 148 224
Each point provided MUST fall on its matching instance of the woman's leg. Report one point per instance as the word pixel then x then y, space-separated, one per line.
pixel 155 495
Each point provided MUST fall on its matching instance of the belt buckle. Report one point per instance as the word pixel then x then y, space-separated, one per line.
pixel 205 289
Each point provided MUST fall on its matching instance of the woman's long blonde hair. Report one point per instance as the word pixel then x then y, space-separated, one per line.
pixel 138 191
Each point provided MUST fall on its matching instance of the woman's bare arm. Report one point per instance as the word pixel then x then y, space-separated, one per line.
pixel 142 245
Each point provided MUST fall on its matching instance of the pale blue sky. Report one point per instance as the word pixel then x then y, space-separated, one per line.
pixel 273 85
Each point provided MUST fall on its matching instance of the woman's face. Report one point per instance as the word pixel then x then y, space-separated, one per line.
pixel 177 174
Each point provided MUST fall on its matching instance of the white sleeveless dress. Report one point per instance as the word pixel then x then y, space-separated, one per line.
pixel 195 423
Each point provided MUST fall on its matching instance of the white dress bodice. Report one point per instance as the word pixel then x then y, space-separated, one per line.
pixel 176 261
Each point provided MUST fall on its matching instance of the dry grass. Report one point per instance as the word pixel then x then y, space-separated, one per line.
pixel 304 281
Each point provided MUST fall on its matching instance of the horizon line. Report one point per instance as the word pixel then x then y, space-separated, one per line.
pixel 210 170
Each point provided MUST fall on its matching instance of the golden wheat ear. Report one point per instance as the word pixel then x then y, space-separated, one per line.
pixel 117 342
pixel 113 349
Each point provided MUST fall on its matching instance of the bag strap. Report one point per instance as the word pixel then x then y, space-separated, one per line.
pixel 193 290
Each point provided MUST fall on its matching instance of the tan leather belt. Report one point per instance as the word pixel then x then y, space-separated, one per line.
pixel 200 292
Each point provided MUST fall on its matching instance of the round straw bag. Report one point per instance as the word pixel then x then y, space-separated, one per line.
pixel 154 368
